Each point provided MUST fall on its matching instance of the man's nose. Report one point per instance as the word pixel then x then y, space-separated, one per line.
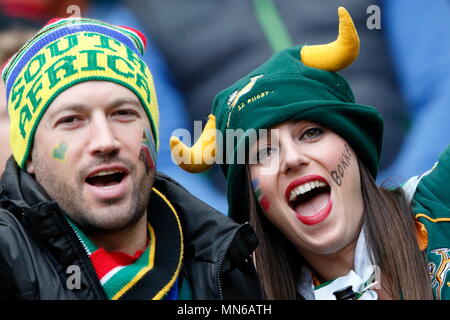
pixel 103 138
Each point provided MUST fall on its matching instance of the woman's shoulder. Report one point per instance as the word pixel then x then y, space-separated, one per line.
pixel 430 202
pixel 432 183
pixel 433 187
pixel 431 208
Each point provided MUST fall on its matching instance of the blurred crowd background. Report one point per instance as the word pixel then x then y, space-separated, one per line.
pixel 198 47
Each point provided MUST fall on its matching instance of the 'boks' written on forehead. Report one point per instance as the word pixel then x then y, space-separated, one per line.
pixel 65 62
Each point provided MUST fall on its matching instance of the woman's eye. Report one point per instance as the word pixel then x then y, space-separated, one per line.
pixel 312 133
pixel 264 154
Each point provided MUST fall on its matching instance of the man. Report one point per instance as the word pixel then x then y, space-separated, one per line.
pixel 83 212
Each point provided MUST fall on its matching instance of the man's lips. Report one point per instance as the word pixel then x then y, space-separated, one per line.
pixel 303 181
pixel 100 169
pixel 108 182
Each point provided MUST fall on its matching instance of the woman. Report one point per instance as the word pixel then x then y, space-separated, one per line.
pixel 307 185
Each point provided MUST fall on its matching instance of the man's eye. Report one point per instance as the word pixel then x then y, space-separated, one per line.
pixel 126 113
pixel 68 120
pixel 312 133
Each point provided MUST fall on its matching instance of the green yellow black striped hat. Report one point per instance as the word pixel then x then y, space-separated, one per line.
pixel 66 52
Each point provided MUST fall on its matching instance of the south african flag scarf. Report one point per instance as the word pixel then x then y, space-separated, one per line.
pixel 151 273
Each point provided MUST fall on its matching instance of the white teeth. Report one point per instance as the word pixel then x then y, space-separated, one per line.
pixel 301 189
pixel 108 187
pixel 105 173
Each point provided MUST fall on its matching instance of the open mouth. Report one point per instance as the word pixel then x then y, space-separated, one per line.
pixel 110 183
pixel 107 179
pixel 310 198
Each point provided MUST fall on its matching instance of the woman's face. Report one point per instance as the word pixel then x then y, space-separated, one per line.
pixel 307 182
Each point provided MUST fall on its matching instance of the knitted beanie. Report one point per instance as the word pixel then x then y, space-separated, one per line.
pixel 298 83
pixel 284 89
pixel 66 52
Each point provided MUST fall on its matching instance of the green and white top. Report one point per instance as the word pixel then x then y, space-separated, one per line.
pixel 431 208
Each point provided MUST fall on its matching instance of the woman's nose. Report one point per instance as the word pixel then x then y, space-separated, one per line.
pixel 292 157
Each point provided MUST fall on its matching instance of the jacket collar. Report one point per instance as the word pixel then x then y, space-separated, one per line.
pixel 209 234
pixel 21 188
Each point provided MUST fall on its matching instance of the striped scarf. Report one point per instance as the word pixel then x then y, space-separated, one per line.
pixel 118 271
pixel 150 274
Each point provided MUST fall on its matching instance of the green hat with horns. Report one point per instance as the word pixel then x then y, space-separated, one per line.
pixel 299 83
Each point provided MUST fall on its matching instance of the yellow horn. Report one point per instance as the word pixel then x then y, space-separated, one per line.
pixel 338 54
pixel 201 155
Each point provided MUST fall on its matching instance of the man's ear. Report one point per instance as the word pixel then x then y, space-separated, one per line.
pixel 29 166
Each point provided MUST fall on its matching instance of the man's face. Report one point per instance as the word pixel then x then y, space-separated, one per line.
pixel 89 155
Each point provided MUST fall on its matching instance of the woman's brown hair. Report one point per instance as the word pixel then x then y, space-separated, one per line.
pixel 390 235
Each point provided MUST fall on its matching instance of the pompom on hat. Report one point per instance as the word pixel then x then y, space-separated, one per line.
pixel 299 83
pixel 66 52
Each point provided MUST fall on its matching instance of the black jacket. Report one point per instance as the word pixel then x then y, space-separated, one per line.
pixel 37 245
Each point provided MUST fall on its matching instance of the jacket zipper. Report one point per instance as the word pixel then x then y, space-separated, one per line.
pixel 220 264
pixel 85 257
pixel 81 241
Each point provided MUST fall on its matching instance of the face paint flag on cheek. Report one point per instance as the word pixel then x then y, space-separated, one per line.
pixel 148 150
pixel 262 199
pixel 59 152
